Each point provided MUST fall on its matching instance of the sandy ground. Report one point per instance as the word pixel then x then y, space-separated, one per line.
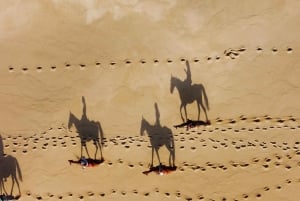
pixel 245 158
pixel 116 77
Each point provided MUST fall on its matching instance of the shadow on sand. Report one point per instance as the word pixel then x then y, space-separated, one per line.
pixel 160 169
pixel 9 168
pixel 88 131
pixel 159 136
pixel 192 124
pixel 189 93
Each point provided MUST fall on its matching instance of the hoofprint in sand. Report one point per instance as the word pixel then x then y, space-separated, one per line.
pixel 244 158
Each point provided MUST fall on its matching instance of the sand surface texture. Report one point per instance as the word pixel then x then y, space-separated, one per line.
pixel 110 81
pixel 233 159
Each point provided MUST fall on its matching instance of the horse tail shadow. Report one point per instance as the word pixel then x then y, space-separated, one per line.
pixel 19 175
pixel 168 140
pixel 172 149
pixel 205 97
pixel 19 172
pixel 100 133
pixel 100 142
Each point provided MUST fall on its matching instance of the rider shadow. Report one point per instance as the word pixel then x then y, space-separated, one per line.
pixel 88 131
pixel 189 93
pixel 159 136
pixel 9 167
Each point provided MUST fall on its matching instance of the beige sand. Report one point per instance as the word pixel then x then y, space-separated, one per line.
pixel 122 59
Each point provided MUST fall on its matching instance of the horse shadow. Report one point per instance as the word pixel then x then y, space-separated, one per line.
pixel 88 131
pixel 9 168
pixel 159 136
pixel 189 93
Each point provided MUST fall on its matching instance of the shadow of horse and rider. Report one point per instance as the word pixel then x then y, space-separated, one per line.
pixel 88 131
pixel 160 136
pixel 188 94
pixel 9 168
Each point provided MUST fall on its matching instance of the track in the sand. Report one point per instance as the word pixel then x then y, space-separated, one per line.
pixel 171 195
pixel 231 53
pixel 285 155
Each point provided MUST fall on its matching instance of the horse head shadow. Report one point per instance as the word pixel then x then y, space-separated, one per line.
pixel 189 93
pixel 9 167
pixel 159 136
pixel 87 131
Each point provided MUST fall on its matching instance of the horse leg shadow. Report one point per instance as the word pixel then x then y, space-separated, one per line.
pixel 204 109
pixel 157 154
pixel 15 180
pixel 3 187
pixel 198 107
pixel 86 150
pixel 98 146
pixel 171 150
pixel 185 112
pixel 152 158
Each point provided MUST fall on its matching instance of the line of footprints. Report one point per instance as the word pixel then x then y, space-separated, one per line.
pixel 285 154
pixel 198 137
pixel 259 193
pixel 229 53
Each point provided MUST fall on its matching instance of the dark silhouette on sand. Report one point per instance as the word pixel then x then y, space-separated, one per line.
pixel 189 93
pixel 192 124
pixel 159 136
pixel 88 131
pixel 9 168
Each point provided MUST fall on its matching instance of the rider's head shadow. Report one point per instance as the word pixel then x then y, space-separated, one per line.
pixel 83 116
pixel 159 136
pixel 189 93
pixel 88 131
pixel 9 170
pixel 188 79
